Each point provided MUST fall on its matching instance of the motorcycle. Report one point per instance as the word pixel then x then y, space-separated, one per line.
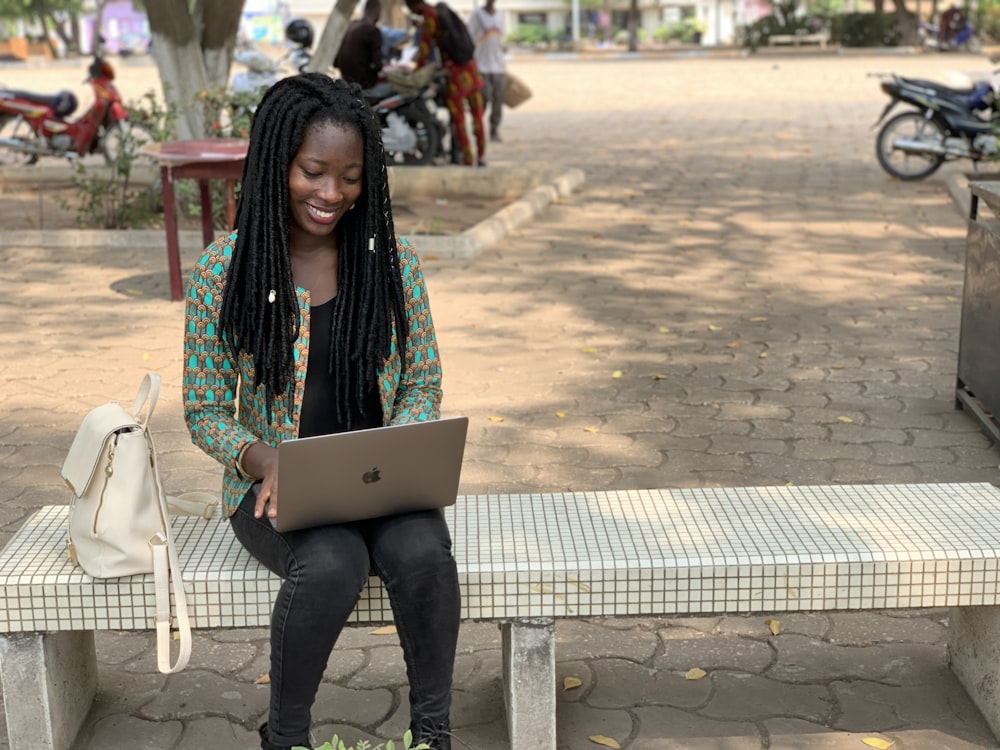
pixel 965 38
pixel 34 125
pixel 261 71
pixel 945 123
pixel 405 103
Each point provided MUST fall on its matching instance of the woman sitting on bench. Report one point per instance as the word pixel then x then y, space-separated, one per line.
pixel 318 318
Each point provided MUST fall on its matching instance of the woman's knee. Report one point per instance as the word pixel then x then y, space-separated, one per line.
pixel 320 561
pixel 426 556
pixel 415 546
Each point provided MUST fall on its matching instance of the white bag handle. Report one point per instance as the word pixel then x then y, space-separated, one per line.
pixel 148 389
pixel 166 566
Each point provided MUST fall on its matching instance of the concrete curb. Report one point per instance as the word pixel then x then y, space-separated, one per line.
pixel 961 196
pixel 474 240
pixel 958 189
pixel 466 245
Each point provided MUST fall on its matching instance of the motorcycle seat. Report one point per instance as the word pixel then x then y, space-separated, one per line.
pixel 939 87
pixel 63 103
pixel 378 92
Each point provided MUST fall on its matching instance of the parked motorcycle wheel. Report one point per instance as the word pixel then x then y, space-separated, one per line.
pixel 428 145
pixel 15 127
pixel 125 139
pixel 906 165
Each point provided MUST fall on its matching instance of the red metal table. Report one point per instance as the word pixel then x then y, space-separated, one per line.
pixel 202 160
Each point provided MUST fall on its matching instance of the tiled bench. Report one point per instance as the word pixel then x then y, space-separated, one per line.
pixel 525 559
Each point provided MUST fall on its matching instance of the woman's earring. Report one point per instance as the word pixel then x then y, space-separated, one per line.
pixel 271 297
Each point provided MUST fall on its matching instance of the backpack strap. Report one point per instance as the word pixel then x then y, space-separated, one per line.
pixel 167 570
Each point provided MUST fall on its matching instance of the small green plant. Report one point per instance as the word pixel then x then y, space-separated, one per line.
pixel 161 121
pixel 337 744
pixel 112 199
pixel 430 225
pixel 110 202
pixel 228 113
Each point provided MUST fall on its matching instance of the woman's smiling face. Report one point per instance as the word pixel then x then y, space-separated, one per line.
pixel 325 178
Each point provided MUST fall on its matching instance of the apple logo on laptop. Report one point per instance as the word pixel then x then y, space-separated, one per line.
pixel 370 477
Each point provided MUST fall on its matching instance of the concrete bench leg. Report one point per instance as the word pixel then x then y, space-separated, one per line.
pixel 529 681
pixel 974 653
pixel 49 683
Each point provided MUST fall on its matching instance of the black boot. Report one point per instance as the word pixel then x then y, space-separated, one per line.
pixel 266 744
pixel 436 734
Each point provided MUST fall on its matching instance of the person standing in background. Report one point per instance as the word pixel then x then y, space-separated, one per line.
pixel 465 84
pixel 487 29
pixel 360 58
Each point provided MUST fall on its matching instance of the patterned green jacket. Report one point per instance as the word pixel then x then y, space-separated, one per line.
pixel 409 385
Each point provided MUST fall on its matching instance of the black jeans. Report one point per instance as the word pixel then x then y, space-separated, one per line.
pixel 324 570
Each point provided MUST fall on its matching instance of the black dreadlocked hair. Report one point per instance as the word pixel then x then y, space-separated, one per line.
pixel 370 290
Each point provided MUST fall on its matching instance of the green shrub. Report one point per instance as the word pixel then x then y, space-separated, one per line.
pixel 988 21
pixel 687 31
pixel 530 34
pixel 847 29
pixel 620 37
pixel 756 34
pixel 113 200
pixel 865 30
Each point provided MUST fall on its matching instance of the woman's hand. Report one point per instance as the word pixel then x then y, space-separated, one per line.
pixel 261 460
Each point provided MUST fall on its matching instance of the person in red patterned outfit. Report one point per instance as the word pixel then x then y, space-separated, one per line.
pixel 465 85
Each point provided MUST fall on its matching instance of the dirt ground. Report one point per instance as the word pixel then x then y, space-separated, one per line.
pixel 55 205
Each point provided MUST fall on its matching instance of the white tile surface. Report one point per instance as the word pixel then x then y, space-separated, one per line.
pixel 637 552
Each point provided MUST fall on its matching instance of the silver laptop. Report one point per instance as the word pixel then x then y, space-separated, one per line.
pixel 351 476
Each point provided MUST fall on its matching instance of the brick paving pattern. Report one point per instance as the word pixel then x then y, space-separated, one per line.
pixel 737 295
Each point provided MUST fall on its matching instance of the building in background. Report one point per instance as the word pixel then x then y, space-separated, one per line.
pixel 719 19
pixel 264 21
pixel 125 29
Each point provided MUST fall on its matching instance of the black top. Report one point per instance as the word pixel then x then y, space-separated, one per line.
pixel 359 59
pixel 319 402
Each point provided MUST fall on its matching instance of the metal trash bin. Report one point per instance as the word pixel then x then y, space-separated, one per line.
pixel 978 379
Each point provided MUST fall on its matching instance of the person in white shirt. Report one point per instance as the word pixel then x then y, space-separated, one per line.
pixel 486 27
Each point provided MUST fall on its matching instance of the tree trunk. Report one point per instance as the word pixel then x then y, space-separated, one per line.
pixel 785 11
pixel 74 33
pixel 46 22
pixel 193 50
pixel 907 23
pixel 333 33
pixel 218 38
pixel 633 26
pixel 49 23
pixel 95 35
pixel 396 14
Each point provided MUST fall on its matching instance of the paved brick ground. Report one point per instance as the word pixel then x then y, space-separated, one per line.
pixel 778 311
